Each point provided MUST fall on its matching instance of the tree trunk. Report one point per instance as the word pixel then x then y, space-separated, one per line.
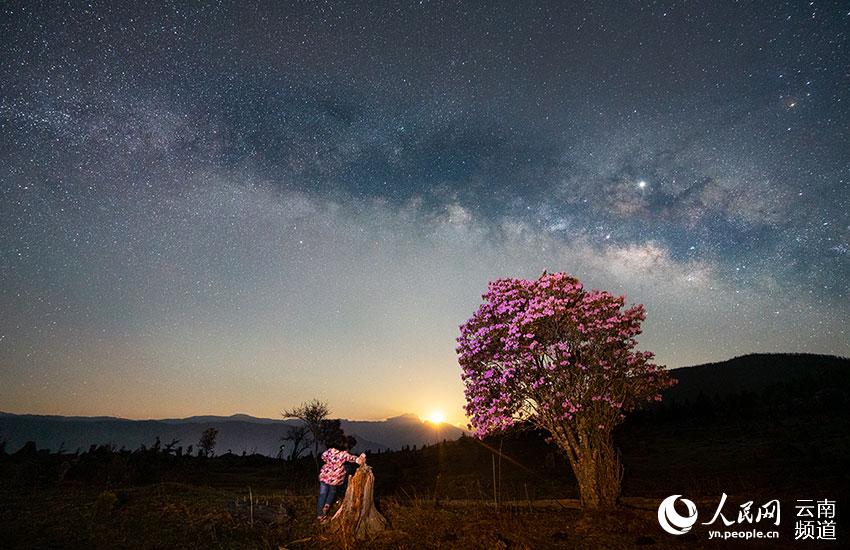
pixel 357 517
pixel 598 471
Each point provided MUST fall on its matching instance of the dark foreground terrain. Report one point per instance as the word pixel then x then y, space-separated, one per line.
pixel 788 439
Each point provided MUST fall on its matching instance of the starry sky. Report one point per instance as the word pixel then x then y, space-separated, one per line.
pixel 210 208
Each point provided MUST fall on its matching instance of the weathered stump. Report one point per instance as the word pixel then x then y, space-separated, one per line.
pixel 357 517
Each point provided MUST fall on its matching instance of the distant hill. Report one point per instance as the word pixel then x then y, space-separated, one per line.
pixel 757 372
pixel 398 431
pixel 239 417
pixel 793 374
pixel 237 433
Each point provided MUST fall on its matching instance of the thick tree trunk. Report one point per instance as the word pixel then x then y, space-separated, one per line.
pixel 596 465
pixel 598 471
pixel 599 475
pixel 357 517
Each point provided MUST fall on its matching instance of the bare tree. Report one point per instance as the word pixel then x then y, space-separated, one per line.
pixel 311 413
pixel 300 438
pixel 207 442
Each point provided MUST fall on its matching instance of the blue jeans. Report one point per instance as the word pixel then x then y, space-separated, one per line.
pixel 326 496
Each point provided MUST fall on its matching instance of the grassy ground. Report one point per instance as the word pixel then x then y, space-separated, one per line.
pixel 171 515
pixel 437 497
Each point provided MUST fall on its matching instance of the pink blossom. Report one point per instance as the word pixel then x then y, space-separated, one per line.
pixel 529 338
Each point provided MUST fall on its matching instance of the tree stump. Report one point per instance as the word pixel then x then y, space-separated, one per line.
pixel 357 517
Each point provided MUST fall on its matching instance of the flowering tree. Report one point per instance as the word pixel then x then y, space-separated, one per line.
pixel 550 353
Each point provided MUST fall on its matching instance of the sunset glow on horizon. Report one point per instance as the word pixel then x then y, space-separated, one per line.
pixel 436 417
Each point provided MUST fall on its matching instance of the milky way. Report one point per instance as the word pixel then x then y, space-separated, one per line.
pixel 238 207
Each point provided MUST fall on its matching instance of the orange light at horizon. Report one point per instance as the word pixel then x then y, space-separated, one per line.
pixel 436 417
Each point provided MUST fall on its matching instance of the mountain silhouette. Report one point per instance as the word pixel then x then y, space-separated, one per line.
pixel 806 373
pixel 791 375
pixel 236 433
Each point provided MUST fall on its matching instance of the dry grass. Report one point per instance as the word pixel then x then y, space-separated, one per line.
pixel 442 496
pixel 170 515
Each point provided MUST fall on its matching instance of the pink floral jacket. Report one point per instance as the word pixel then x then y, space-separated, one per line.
pixel 333 472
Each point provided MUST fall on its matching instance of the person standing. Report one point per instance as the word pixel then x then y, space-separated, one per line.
pixel 333 474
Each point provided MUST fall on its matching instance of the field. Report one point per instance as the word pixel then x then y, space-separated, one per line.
pixel 440 496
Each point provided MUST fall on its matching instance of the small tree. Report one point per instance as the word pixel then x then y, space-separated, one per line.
pixel 169 447
pixel 300 437
pixel 207 442
pixel 548 352
pixel 311 414
pixel 332 433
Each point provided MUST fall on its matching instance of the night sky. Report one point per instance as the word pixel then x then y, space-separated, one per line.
pixel 220 208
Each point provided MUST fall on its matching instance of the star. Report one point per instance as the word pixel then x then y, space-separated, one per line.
pixel 287 206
